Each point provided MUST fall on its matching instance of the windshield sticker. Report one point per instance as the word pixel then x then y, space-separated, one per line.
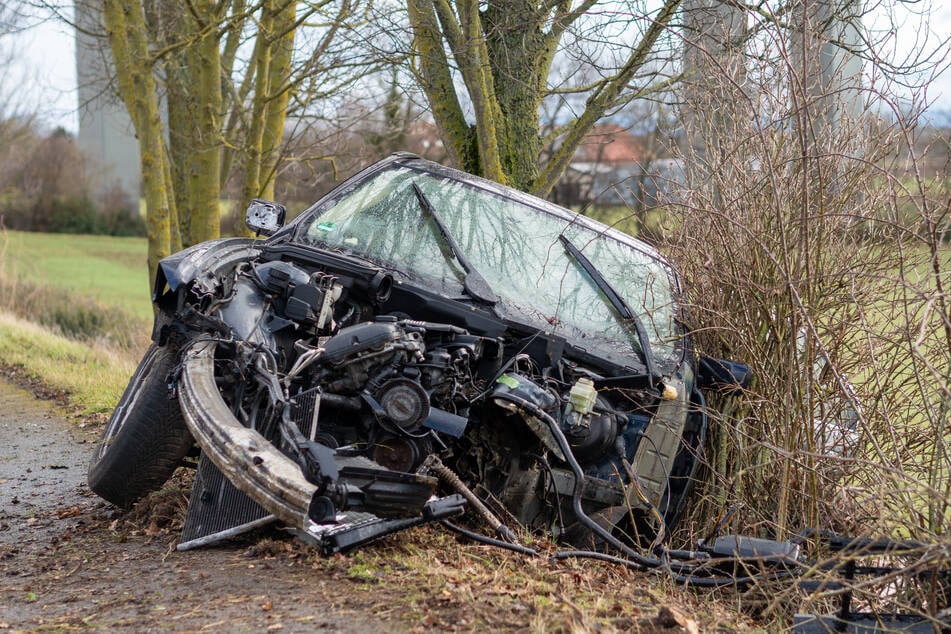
pixel 326 226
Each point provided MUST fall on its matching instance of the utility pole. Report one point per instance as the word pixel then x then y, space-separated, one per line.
pixel 715 108
pixel 826 82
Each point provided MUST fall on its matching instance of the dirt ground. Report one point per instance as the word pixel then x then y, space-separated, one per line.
pixel 69 561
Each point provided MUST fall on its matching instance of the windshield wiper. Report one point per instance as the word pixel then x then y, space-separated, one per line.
pixel 628 316
pixel 473 284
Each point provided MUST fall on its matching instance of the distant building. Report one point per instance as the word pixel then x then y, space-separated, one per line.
pixel 106 133
pixel 612 168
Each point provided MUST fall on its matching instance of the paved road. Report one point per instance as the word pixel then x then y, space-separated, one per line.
pixel 42 466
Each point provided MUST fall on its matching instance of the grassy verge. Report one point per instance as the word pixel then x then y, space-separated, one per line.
pixel 75 313
pixel 92 377
pixel 424 579
pixel 446 585
pixel 87 288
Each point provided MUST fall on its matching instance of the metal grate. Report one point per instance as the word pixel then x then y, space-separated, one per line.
pixel 305 408
pixel 217 510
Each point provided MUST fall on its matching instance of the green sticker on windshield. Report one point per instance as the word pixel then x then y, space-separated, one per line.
pixel 326 226
pixel 509 381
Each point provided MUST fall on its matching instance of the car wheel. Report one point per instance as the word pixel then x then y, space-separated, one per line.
pixel 146 437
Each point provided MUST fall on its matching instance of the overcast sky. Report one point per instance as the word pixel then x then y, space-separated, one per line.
pixel 45 78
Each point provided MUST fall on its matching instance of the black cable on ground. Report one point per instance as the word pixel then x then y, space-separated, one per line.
pixel 590 554
pixel 685 579
pixel 483 539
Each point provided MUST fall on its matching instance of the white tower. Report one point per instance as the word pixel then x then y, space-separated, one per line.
pixel 827 68
pixel 105 130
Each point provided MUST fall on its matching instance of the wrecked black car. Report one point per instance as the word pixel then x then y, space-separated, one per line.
pixel 417 343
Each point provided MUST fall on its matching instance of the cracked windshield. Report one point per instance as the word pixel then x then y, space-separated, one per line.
pixel 515 247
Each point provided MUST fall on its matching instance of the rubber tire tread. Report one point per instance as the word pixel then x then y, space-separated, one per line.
pixel 146 437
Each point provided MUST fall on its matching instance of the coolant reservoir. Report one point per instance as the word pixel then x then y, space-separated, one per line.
pixel 583 396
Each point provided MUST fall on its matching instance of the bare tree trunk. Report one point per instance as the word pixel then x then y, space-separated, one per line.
pixel 503 54
pixel 715 105
pixel 278 97
pixel 204 178
pixel 435 77
pixel 272 58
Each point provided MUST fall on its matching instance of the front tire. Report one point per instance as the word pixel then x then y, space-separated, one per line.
pixel 146 437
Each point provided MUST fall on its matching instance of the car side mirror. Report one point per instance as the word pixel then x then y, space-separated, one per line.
pixel 723 374
pixel 264 217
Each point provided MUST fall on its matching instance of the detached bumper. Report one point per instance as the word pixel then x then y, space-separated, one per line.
pixel 276 483
pixel 245 457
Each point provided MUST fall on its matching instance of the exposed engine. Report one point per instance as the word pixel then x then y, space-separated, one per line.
pixel 378 384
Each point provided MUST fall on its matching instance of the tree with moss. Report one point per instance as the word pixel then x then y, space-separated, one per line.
pixel 226 100
pixel 128 39
pixel 487 68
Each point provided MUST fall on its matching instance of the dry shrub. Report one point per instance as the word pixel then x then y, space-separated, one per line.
pixel 815 255
pixel 814 250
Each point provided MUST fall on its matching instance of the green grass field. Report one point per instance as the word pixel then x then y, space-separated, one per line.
pixel 112 271
pixel 75 312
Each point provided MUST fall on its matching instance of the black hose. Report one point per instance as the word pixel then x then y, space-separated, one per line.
pixel 646 562
pixel 678 577
pixel 477 537
pixel 842 543
pixel 590 554
pixel 636 558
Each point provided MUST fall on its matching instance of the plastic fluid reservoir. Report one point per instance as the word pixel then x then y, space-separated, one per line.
pixel 583 396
